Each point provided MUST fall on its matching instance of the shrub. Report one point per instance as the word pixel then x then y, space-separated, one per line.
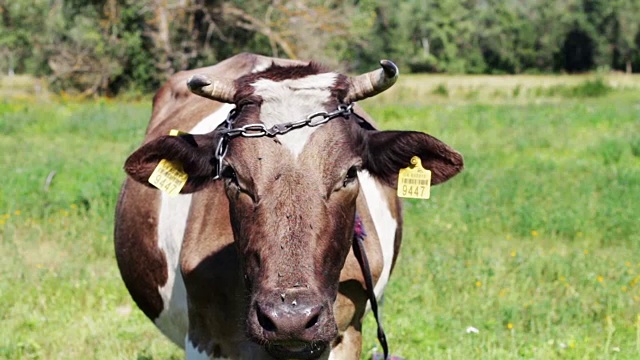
pixel 441 90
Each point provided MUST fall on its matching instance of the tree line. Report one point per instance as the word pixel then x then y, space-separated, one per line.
pixel 107 46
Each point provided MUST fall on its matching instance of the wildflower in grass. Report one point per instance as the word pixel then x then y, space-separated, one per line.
pixel 502 293
pixel 627 263
pixel 73 206
pixel 472 330
pixel 514 253
pixel 478 283
pixel 17 212
pixel 510 326
pixel 623 288
pixel 596 304
pixel 123 310
pixel 600 278
pixel 586 252
pixel 2 221
pixel 534 233
pixel 562 279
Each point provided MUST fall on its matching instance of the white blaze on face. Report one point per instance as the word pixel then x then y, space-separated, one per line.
pixel 293 100
pixel 174 211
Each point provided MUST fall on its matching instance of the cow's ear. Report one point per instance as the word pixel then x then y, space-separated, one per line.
pixel 194 152
pixel 386 152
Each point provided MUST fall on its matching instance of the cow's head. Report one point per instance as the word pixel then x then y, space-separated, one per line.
pixel 293 197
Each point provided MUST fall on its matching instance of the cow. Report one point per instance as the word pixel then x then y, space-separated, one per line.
pixel 254 258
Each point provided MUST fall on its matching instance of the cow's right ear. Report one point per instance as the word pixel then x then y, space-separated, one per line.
pixel 194 152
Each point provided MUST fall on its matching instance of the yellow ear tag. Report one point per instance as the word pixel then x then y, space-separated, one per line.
pixel 414 181
pixel 174 132
pixel 169 176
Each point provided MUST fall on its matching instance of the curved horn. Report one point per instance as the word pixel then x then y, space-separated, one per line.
pixel 372 83
pixel 221 90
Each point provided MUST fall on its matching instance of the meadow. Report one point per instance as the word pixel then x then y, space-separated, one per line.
pixel 533 252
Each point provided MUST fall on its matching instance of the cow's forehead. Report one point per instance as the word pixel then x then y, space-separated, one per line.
pixel 322 82
pixel 293 100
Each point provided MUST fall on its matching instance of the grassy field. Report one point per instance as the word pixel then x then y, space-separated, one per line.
pixel 536 245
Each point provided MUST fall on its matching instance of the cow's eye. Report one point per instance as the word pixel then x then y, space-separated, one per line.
pixel 228 173
pixel 351 176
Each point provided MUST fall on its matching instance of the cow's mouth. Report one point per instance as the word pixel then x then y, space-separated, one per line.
pixel 296 350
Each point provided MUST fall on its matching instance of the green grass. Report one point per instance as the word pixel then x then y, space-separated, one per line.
pixel 536 244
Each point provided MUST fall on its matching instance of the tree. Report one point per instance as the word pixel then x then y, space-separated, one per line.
pixel 627 34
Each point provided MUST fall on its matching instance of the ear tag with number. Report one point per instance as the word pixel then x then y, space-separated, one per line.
pixel 174 132
pixel 169 176
pixel 414 181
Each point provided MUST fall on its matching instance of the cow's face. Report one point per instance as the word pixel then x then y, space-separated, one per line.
pixel 292 204
pixel 293 197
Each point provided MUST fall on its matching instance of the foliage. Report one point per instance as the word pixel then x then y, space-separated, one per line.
pixel 103 47
pixel 588 88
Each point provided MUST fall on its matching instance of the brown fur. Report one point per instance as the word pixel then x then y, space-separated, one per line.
pixel 142 264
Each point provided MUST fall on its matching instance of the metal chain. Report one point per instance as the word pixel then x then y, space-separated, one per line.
pixel 260 130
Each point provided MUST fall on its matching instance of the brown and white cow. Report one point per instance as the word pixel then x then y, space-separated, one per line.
pixel 258 264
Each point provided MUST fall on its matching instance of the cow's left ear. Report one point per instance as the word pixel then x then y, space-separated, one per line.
pixel 386 152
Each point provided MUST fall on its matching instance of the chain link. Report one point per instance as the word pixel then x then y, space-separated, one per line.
pixel 260 130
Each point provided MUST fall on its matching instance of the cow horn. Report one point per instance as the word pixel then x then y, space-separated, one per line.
pixel 222 90
pixel 372 83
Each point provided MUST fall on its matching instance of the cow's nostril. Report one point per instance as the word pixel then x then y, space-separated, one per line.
pixel 312 321
pixel 265 322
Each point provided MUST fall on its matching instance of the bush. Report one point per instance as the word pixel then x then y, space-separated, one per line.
pixel 591 88
pixel 441 90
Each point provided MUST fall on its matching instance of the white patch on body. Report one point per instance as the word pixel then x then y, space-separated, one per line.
pixel 384 223
pixel 261 67
pixel 339 352
pixel 293 100
pixel 247 351
pixel 173 321
pixel 192 353
pixel 213 120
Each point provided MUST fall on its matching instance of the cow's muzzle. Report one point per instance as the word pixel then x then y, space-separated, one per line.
pixel 293 323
